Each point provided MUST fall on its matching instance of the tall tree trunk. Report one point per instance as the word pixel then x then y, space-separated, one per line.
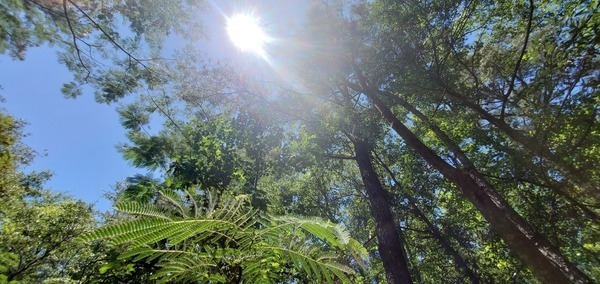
pixel 462 157
pixel 545 261
pixel 459 261
pixel 390 244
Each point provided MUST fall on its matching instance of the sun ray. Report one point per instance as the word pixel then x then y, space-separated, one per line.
pixel 246 33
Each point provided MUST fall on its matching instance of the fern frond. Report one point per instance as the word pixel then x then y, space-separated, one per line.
pixel 195 211
pixel 226 238
pixel 174 199
pixel 142 209
pixel 138 226
pixel 147 231
pixel 321 269
pixel 140 252
pixel 247 218
pixel 342 233
pixel 231 207
pixel 211 204
pixel 358 252
pixel 335 235
pixel 264 267
pixel 218 228
pixel 191 267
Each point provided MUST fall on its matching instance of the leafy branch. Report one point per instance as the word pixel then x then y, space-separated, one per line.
pixel 229 240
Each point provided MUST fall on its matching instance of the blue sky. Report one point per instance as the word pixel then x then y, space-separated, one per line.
pixel 77 137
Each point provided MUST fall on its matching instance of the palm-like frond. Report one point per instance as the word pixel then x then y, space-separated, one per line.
pixel 226 239
pixel 174 199
pixel 142 209
pixel 334 234
pixel 314 264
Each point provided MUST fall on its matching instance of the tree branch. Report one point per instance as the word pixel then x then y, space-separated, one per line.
pixel 75 39
pixel 518 65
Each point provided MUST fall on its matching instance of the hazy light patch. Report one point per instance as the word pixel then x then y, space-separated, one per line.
pixel 247 34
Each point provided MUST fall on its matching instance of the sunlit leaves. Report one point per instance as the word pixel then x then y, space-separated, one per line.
pixel 227 240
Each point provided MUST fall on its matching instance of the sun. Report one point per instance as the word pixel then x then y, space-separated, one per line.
pixel 247 34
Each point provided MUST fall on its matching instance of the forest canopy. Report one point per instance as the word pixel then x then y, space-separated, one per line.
pixel 376 142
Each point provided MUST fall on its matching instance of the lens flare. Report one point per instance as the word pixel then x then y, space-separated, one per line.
pixel 247 34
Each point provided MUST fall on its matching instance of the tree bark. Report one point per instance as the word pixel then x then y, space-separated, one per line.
pixel 390 241
pixel 545 261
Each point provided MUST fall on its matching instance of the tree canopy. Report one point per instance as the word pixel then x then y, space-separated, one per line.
pixel 450 141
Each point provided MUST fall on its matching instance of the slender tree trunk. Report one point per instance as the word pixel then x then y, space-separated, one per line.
pixel 390 244
pixel 459 261
pixel 573 175
pixel 469 165
pixel 544 260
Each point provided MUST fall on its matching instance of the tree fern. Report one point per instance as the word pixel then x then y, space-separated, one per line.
pixel 226 240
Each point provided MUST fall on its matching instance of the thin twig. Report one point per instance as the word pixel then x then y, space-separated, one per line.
pixel 75 39
pixel 518 65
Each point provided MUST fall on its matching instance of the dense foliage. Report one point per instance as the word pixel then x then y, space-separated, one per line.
pixel 37 227
pixel 226 241
pixel 457 141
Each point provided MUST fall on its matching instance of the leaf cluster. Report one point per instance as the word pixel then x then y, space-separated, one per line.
pixel 225 240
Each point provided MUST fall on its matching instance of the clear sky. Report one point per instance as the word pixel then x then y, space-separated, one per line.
pixel 79 136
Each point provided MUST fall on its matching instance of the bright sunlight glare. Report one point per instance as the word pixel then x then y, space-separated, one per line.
pixel 246 33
